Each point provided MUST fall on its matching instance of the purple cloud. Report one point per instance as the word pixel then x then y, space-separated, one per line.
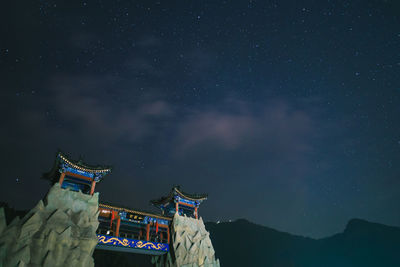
pixel 225 129
pixel 94 115
pixel 278 127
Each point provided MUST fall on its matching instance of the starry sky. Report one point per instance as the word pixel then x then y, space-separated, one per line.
pixel 285 112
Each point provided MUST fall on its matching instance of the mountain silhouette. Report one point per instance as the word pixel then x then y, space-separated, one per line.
pixel 363 244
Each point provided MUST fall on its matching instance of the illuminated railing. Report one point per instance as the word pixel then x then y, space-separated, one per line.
pixel 106 240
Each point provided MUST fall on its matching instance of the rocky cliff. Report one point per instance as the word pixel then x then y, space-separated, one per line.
pixel 191 245
pixel 60 231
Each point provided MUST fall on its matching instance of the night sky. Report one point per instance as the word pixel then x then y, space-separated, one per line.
pixel 285 113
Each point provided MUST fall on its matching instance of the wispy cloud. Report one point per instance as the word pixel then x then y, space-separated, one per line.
pixel 69 108
pixel 277 127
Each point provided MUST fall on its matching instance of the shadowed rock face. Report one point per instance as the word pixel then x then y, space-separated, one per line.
pixel 191 245
pixel 58 232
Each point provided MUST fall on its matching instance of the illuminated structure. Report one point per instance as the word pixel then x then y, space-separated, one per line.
pixel 76 175
pixel 138 231
pixel 181 202
pixel 144 232
pixel 125 229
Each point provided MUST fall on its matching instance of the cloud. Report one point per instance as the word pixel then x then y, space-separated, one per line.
pixel 105 111
pixel 155 108
pixel 142 66
pixel 227 130
pixel 149 41
pixel 277 127
pixel 120 118
pixel 69 108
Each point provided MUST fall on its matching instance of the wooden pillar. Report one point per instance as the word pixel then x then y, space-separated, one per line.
pixel 161 237
pixel 62 176
pixel 148 232
pixel 92 188
pixel 168 235
pixel 118 224
pixel 177 207
pixel 196 213
pixel 112 218
pixel 140 234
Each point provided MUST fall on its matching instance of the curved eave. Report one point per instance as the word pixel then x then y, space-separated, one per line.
pixel 103 171
pixel 183 195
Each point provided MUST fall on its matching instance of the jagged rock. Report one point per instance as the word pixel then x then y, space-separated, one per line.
pixel 31 226
pixel 3 222
pixel 191 245
pixel 61 231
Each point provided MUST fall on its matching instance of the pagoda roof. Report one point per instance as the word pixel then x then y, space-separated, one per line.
pixel 141 212
pixel 176 190
pixel 80 165
pixel 62 158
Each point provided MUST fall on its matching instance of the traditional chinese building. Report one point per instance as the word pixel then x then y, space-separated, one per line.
pixel 122 228
pixel 76 175
pixel 180 202
pixel 134 225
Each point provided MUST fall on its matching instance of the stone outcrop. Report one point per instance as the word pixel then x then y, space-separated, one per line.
pixel 61 231
pixel 191 245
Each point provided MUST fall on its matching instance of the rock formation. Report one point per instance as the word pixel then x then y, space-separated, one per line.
pixel 61 231
pixel 191 245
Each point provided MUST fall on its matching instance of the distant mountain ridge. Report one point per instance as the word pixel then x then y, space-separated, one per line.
pixel 244 244
pixel 362 244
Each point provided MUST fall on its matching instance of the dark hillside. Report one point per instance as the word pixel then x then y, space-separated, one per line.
pixel 362 244
pixel 257 245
